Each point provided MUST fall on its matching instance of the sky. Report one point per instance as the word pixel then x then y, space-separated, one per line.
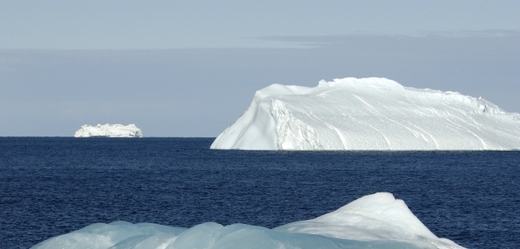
pixel 191 68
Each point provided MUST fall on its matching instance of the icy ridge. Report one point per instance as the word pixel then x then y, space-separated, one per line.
pixel 109 130
pixel 369 114
pixel 373 221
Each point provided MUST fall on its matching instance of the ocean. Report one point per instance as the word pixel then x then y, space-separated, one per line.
pixel 54 185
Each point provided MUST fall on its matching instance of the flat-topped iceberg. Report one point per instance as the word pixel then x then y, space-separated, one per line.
pixel 369 114
pixel 373 221
pixel 109 130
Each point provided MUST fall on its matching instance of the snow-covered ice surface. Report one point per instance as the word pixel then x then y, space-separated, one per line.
pixel 109 130
pixel 369 114
pixel 373 221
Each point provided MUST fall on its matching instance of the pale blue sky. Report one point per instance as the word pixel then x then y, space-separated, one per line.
pixel 159 24
pixel 190 68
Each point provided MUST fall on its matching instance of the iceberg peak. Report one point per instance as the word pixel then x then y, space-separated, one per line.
pixel 369 114
pixel 375 217
pixel 372 82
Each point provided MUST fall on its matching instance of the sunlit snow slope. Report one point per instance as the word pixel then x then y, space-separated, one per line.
pixel 373 221
pixel 369 114
pixel 109 130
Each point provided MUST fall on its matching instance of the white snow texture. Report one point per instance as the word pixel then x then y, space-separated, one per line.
pixel 373 221
pixel 369 114
pixel 109 130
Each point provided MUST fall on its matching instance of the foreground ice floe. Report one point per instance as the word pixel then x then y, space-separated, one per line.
pixel 369 114
pixel 109 130
pixel 373 221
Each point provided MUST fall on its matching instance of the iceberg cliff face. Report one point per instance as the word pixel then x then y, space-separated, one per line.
pixel 369 114
pixel 109 130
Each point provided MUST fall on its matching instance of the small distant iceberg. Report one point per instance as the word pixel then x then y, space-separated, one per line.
pixel 109 130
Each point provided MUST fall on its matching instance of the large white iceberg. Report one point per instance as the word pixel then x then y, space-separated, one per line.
pixel 369 114
pixel 373 221
pixel 109 130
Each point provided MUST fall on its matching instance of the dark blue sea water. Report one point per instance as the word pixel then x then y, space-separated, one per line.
pixel 52 186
